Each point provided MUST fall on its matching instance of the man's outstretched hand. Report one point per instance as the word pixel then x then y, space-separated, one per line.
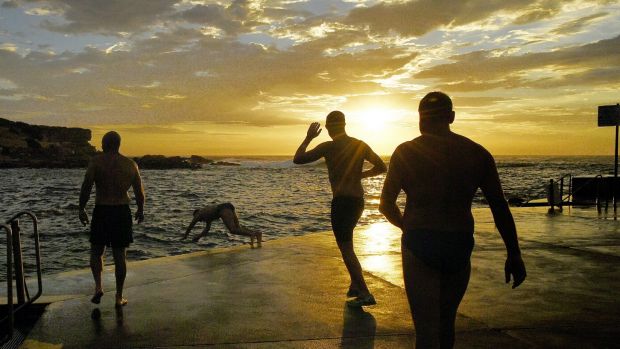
pixel 314 130
pixel 516 268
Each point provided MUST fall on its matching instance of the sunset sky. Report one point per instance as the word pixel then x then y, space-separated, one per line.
pixel 181 77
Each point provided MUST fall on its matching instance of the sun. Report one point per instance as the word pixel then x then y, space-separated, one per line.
pixel 367 119
pixel 372 119
pixel 382 126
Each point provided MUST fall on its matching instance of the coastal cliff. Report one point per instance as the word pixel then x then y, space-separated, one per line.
pixel 35 146
pixel 25 145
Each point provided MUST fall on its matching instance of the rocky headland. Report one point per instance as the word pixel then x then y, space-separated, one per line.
pixel 25 145
pixel 36 146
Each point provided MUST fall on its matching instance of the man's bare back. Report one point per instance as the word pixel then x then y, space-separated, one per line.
pixel 344 157
pixel 207 213
pixel 441 175
pixel 113 174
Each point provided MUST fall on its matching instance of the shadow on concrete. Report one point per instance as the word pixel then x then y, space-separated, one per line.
pixel 358 329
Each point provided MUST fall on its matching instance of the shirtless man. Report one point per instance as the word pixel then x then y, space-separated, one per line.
pixel 440 172
pixel 226 212
pixel 344 157
pixel 112 174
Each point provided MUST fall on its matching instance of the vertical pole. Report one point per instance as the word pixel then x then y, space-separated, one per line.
pixel 9 280
pixel 551 197
pixel 615 173
pixel 561 192
pixel 18 263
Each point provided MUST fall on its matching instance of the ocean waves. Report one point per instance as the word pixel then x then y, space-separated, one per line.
pixel 271 195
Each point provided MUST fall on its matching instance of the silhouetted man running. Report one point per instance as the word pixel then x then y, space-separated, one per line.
pixel 113 175
pixel 440 172
pixel 344 157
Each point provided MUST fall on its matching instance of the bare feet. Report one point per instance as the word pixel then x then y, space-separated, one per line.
pixel 97 297
pixel 120 301
pixel 259 238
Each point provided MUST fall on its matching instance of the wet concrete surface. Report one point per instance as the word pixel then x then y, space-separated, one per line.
pixel 291 294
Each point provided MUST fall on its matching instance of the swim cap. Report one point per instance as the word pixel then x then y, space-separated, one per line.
pixel 435 103
pixel 335 118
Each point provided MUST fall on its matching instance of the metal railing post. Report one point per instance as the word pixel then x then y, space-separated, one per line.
pixel 19 264
pixel 37 250
pixel 570 189
pixel 9 279
pixel 551 197
pixel 561 192
pixel 598 194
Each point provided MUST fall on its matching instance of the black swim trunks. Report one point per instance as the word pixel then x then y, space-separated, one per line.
pixel 448 252
pixel 111 226
pixel 226 205
pixel 346 211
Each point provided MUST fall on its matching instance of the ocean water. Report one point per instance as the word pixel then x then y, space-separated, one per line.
pixel 270 194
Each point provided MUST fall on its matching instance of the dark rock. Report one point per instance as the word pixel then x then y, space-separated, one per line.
pixel 160 162
pixel 195 159
pixel 25 145
pixel 224 163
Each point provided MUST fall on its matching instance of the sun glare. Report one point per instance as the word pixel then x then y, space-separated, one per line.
pixel 369 119
pixel 383 126
pixel 373 119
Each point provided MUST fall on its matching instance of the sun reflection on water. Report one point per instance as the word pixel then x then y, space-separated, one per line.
pixel 379 247
pixel 377 238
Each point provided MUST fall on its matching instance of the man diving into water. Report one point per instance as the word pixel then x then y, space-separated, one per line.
pixel 225 212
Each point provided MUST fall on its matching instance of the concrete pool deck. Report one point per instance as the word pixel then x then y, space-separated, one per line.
pixel 291 294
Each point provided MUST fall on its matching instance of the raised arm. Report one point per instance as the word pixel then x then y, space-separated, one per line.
pixel 87 187
pixel 378 164
pixel 389 194
pixel 138 191
pixel 492 190
pixel 301 155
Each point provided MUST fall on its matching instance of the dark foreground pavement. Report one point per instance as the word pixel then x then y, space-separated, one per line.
pixel 291 294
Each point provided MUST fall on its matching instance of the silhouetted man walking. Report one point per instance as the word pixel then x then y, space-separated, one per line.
pixel 345 158
pixel 112 174
pixel 440 172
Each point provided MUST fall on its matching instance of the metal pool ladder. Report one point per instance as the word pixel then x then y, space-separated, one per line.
pixel 14 260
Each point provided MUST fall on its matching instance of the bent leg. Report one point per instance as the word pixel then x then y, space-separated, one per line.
pixel 453 287
pixel 423 287
pixel 353 267
pixel 120 271
pixel 229 217
pixel 96 265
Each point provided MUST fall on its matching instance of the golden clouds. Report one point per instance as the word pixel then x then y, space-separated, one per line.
pixel 266 68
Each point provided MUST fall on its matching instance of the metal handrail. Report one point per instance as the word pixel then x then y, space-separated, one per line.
pixel 9 278
pixel 37 257
pixel 9 257
pixel 570 184
pixel 571 190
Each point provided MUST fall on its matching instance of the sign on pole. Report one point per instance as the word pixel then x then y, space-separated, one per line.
pixel 608 115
